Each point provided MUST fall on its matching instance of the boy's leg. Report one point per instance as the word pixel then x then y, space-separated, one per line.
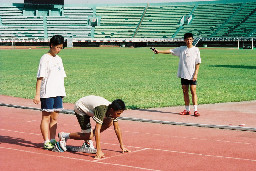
pixel 57 106
pixel 194 99
pixel 85 125
pixel 49 117
pixel 80 136
pixel 53 124
pixel 193 92
pixel 185 94
pixel 44 126
pixel 185 88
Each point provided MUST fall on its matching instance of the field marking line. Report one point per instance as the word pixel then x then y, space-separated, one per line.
pixel 73 158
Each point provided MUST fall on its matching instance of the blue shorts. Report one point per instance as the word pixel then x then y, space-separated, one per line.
pixel 51 104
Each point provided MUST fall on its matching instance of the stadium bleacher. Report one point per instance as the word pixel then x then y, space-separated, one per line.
pixel 208 18
pixel 78 11
pixel 241 23
pixel 118 22
pixel 22 27
pixel 161 20
pixel 69 27
pixel 15 24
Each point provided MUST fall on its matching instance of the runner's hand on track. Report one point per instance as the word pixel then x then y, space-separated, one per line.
pixel 99 155
pixel 125 150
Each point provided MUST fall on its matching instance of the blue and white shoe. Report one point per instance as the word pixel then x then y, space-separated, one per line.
pixel 58 148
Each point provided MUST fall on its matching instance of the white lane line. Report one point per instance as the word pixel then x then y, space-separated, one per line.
pixel 192 138
pixel 127 153
pixel 73 158
pixel 207 155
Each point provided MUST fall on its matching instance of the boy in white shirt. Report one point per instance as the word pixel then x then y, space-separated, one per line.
pixel 188 70
pixel 50 90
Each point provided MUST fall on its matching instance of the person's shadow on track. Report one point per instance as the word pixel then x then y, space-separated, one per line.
pixel 87 154
pixel 19 141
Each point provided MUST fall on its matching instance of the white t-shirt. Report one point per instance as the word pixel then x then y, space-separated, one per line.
pixel 189 58
pixel 52 70
pixel 89 103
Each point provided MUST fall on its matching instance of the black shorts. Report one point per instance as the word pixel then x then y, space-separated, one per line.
pixel 84 122
pixel 188 82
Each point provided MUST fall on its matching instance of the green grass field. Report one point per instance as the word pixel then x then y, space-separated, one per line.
pixel 225 75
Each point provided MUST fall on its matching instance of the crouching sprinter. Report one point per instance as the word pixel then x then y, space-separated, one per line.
pixel 104 113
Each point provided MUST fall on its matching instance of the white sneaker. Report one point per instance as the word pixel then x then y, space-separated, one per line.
pixel 90 143
pixel 88 147
pixel 63 144
pixel 62 141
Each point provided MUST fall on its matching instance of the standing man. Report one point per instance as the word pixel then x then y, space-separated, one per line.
pixel 188 70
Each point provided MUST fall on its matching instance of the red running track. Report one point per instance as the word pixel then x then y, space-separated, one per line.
pixel 153 146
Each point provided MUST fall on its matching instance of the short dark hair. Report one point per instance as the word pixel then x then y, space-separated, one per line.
pixel 56 40
pixel 187 35
pixel 117 104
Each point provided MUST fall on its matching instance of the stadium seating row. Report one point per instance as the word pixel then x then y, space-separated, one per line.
pixel 235 19
pixel 208 20
pixel 118 22
pixel 74 24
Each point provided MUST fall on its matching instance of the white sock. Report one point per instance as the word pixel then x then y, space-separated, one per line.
pixel 195 107
pixel 66 135
pixel 46 141
pixel 187 108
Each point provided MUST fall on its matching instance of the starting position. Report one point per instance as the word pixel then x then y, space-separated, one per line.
pixel 104 113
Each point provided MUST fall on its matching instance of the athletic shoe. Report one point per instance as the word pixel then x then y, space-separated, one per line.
pixel 62 141
pixel 53 142
pixel 185 112
pixel 196 114
pixel 62 144
pixel 48 146
pixel 58 148
pixel 88 147
pixel 88 143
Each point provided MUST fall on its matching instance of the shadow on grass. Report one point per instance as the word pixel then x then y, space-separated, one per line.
pixel 234 66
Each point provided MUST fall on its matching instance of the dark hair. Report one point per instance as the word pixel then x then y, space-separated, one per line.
pixel 56 40
pixel 117 104
pixel 187 35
